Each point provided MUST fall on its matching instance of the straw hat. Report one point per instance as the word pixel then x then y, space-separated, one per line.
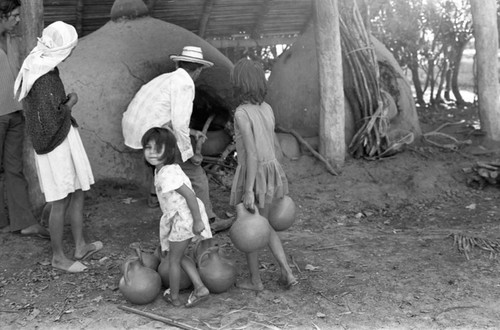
pixel 192 54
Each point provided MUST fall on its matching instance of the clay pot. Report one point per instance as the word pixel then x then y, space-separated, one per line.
pixel 216 143
pixel 216 272
pixel 200 247
pixel 147 259
pixel 140 285
pixel 282 213
pixel 163 270
pixel 250 232
pixel 130 258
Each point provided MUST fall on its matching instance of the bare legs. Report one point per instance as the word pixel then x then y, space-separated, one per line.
pixel 176 260
pixel 72 206
pixel 255 282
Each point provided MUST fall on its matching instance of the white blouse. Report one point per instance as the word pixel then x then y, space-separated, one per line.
pixel 167 98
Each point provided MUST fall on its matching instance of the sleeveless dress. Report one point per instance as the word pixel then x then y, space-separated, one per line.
pixel 270 180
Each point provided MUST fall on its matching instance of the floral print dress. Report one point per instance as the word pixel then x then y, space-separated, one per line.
pixel 176 223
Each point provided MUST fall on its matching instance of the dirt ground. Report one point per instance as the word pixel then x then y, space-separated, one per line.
pixel 371 248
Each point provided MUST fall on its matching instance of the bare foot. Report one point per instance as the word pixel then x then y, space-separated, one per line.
pixel 35 229
pixel 202 291
pixel 175 302
pixel 88 250
pixel 247 284
pixel 288 281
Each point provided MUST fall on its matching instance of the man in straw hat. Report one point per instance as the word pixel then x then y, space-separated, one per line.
pixel 167 101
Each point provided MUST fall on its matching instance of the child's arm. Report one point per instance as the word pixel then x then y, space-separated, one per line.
pixel 192 203
pixel 251 150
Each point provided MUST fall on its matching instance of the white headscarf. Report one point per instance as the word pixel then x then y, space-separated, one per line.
pixel 57 41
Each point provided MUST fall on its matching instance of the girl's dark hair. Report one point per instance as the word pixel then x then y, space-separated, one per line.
pixel 189 66
pixel 162 137
pixel 249 82
pixel 7 6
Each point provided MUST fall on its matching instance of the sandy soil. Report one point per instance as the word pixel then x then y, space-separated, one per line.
pixel 370 247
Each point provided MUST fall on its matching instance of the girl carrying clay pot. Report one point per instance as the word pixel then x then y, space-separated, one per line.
pixel 259 177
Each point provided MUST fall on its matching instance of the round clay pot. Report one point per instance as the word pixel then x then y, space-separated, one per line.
pixel 250 232
pixel 282 213
pixel 216 143
pixel 163 270
pixel 217 272
pixel 140 285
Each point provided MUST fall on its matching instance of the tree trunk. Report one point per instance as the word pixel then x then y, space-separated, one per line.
pixel 484 17
pixel 31 27
pixel 458 52
pixel 332 117
pixel 416 83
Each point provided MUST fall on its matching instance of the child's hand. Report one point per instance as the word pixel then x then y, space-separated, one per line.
pixel 249 200
pixel 71 100
pixel 198 227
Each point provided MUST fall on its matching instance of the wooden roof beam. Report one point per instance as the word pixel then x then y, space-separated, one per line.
pixel 261 17
pixel 207 11
pixel 262 42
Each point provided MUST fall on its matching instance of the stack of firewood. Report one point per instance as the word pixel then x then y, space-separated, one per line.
pixel 483 174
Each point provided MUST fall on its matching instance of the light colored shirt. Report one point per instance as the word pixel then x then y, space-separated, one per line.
pixel 167 99
pixel 9 66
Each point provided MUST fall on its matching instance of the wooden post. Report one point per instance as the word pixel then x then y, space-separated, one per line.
pixel 332 115
pixel 79 17
pixel 484 18
pixel 31 28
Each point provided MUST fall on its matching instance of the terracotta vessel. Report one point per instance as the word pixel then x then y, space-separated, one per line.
pixel 216 271
pixel 147 259
pixel 282 213
pixel 250 232
pixel 163 270
pixel 140 285
pixel 200 247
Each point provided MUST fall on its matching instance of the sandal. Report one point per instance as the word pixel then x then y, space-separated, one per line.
pixel 194 300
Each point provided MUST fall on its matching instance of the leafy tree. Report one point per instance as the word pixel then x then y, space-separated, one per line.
pixel 428 37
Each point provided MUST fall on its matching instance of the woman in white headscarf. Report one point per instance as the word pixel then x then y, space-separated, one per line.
pixel 63 168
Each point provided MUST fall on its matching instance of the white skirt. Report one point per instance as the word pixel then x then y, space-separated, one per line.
pixel 65 169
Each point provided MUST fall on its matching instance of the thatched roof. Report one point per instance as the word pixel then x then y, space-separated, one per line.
pixel 224 23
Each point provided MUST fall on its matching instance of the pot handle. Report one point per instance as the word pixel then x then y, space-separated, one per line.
pixel 241 208
pixel 207 252
pixel 125 270
pixel 139 254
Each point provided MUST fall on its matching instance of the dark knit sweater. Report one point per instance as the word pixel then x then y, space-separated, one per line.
pixel 48 119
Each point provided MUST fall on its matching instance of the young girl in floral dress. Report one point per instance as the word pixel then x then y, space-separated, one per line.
pixel 184 218
pixel 259 177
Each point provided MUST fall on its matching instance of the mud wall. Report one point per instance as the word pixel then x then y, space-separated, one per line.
pixel 109 66
pixel 294 91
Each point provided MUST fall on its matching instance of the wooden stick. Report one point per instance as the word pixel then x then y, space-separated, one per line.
pixel 308 146
pixel 158 318
pixel 331 247
pixel 199 142
pixel 295 264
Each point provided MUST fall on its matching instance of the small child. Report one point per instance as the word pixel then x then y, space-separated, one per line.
pixel 184 217
pixel 64 171
pixel 259 177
